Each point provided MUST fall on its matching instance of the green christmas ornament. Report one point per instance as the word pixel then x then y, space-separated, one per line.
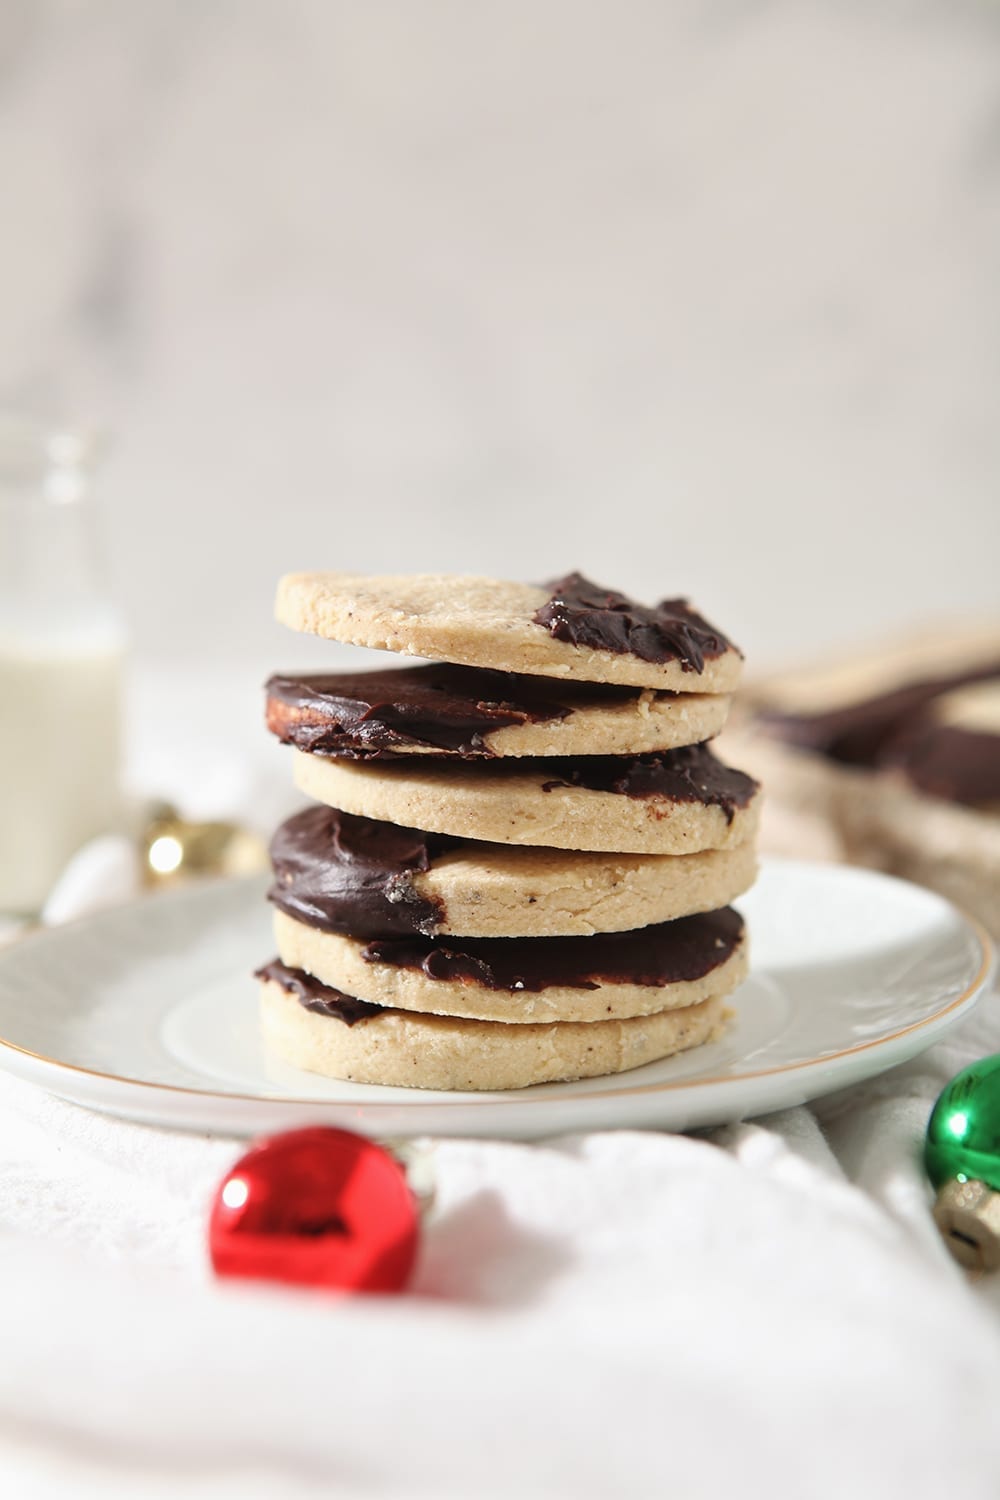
pixel 962 1156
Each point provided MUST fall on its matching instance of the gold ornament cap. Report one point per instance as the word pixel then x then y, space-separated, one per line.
pixel 968 1216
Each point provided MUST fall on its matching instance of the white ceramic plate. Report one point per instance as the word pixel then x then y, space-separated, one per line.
pixel 149 1011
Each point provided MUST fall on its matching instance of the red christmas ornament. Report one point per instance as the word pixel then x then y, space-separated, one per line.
pixel 316 1207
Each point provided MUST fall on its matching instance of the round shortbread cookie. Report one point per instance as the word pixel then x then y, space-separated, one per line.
pixel 340 962
pixel 483 622
pixel 339 873
pixel 506 891
pixel 823 741
pixel 438 1052
pixel 951 757
pixel 473 713
pixel 938 660
pixel 546 803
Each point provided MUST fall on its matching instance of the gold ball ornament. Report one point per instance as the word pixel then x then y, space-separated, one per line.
pixel 176 849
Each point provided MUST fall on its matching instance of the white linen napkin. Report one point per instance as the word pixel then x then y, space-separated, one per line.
pixel 625 1313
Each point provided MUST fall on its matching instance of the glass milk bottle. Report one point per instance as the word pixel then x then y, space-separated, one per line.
pixel 61 663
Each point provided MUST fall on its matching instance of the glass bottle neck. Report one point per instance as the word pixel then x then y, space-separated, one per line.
pixel 53 579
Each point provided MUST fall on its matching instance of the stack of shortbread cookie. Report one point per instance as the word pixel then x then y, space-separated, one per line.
pixel 889 758
pixel 520 862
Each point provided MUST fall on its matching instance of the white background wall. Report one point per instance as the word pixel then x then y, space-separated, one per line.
pixel 699 296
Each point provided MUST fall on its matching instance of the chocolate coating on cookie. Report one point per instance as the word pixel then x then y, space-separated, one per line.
pixel 666 953
pixel 313 995
pixel 347 874
pixel 689 774
pixel 585 614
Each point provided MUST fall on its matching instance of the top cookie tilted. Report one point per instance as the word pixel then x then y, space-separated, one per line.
pixel 571 628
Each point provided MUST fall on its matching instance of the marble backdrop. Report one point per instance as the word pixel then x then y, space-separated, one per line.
pixel 700 295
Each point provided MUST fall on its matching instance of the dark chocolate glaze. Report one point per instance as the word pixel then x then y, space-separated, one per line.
pixel 319 997
pixel 689 774
pixel 342 873
pixel 945 760
pixel 585 614
pixel 372 715
pixel 666 953
pixel 859 733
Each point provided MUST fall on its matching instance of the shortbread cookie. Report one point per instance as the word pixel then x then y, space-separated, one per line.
pixel 314 1027
pixel 848 712
pixel 932 813
pixel 571 628
pixel 474 713
pixel 892 759
pixel 676 802
pixel 952 749
pixel 340 873
pixel 663 967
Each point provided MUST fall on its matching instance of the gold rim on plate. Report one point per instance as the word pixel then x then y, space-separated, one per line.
pixel 518 1095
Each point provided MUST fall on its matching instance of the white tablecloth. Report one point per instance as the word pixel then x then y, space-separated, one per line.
pixel 765 1310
